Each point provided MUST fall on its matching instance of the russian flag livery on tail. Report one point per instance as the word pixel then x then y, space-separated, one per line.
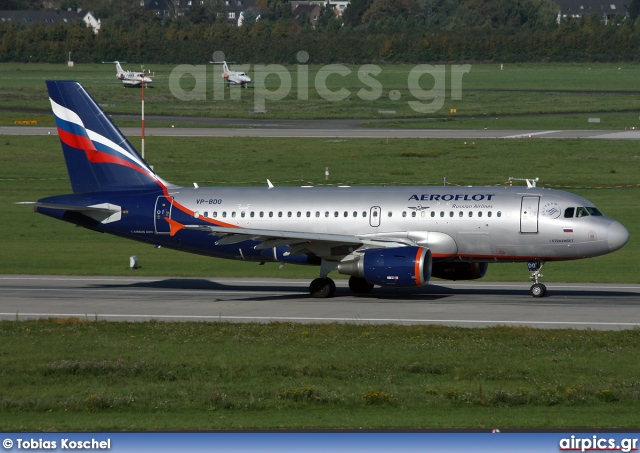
pixel 99 157
pixel 375 235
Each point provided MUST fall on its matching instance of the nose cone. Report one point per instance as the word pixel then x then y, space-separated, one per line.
pixel 617 236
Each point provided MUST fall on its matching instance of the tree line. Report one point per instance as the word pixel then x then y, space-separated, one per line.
pixel 379 31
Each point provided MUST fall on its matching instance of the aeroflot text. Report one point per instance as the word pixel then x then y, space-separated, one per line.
pixel 451 197
pixel 64 444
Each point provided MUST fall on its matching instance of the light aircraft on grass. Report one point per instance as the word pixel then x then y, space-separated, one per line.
pixel 387 236
pixel 233 77
pixel 131 78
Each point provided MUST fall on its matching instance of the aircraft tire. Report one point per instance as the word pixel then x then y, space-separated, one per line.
pixel 538 290
pixel 321 288
pixel 359 285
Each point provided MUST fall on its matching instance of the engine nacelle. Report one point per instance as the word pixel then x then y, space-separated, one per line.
pixel 401 266
pixel 459 270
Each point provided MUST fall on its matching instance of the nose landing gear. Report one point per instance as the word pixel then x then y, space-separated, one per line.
pixel 537 289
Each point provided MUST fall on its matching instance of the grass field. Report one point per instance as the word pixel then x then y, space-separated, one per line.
pixel 526 91
pixel 75 375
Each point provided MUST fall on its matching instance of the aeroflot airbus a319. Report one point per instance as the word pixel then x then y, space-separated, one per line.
pixel 387 236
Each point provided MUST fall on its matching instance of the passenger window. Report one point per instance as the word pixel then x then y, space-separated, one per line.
pixel 335 214
pixel 242 214
pixel 364 213
pixel 450 213
pixel 279 213
pixel 441 213
pixel 499 214
pixel 460 214
pixel 404 213
pixel 568 213
pixel 270 213
pixel 233 214
pixel 470 213
pixel 480 214
pixel 317 213
pixel 346 214
pixel 389 214
pixel 252 214
pixel 215 214
pixel 289 214
pixel 433 213
pixel 299 214
pixel 489 214
pixel 206 214
pixel 309 214
pixel 413 214
pixel 326 213
pixel 261 213
pixel 224 214
pixel 355 213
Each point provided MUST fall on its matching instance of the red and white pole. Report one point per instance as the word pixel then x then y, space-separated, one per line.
pixel 143 115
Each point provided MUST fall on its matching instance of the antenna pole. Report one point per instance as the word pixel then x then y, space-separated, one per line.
pixel 143 114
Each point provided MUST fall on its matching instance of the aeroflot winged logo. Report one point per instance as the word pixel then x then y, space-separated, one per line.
pixel 452 197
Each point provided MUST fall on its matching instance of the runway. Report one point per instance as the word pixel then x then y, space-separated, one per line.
pixel 318 129
pixel 464 304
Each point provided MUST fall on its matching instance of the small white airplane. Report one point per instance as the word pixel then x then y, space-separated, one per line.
pixel 131 78
pixel 233 77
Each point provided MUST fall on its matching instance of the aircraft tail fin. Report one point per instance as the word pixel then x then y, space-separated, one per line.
pixel 97 154
pixel 119 70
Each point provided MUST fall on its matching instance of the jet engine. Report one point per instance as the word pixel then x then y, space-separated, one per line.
pixel 459 270
pixel 401 266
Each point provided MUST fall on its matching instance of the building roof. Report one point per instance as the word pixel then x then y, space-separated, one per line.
pixel 308 11
pixel 582 7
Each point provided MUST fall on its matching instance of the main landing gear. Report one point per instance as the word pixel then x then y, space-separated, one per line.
pixel 537 289
pixel 322 287
pixel 325 287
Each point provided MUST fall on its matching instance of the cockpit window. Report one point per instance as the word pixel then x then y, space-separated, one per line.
pixel 581 212
pixel 568 213
pixel 594 211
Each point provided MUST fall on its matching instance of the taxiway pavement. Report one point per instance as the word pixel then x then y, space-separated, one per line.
pixel 318 129
pixel 465 304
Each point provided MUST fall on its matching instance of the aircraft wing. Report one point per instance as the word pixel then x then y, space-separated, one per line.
pixel 328 246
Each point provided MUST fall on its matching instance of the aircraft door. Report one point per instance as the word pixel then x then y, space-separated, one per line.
pixel 162 211
pixel 529 214
pixel 374 216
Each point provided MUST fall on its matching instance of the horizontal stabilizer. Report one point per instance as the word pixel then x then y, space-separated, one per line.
pixel 103 212
pixel 104 208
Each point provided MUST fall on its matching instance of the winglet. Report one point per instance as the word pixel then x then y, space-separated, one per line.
pixel 175 226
